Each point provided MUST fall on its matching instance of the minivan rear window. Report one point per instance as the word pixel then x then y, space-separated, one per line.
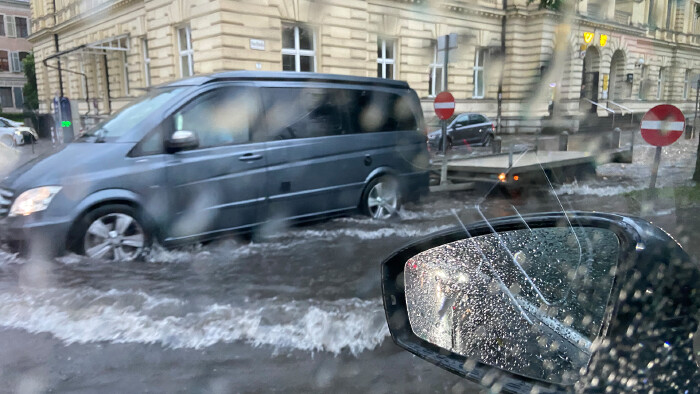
pixel 376 111
pixel 296 112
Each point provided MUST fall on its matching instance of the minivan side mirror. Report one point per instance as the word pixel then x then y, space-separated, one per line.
pixel 182 140
pixel 548 303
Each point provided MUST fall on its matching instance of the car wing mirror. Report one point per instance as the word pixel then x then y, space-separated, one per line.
pixel 182 140
pixel 537 302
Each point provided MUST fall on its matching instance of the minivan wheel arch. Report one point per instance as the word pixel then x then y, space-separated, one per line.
pixel 380 171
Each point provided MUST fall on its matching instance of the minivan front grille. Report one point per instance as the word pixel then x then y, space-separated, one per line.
pixel 5 201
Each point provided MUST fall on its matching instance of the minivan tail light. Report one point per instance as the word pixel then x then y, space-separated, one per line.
pixel 493 127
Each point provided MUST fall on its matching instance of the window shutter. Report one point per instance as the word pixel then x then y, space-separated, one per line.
pixel 16 65
pixel 10 25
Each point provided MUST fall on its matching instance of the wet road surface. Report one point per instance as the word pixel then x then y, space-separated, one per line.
pixel 297 309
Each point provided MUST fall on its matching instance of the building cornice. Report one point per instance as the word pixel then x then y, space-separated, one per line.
pixel 82 19
pixel 15 3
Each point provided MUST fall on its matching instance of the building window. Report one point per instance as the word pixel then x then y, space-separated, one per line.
pixel 22 27
pixel 660 83
pixel 2 25
pixel 479 81
pixel 6 98
pixel 696 18
pixel 385 58
pixel 126 74
pixel 642 83
pixel 10 26
pixel 435 78
pixel 19 97
pixel 184 44
pixel 22 56
pixel 298 48
pixel 4 61
pixel 146 62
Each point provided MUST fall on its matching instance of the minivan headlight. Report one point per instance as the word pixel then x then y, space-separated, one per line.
pixel 34 200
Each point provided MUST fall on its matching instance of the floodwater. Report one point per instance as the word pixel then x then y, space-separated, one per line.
pixel 296 309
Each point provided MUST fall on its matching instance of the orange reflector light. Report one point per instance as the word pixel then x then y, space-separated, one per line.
pixel 502 177
pixel 516 178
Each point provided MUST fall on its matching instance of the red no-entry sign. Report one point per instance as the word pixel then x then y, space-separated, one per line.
pixel 663 125
pixel 444 105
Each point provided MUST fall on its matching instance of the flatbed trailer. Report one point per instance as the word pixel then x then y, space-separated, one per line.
pixel 529 167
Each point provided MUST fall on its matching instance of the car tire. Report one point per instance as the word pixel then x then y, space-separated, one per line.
pixel 113 232
pixel 488 140
pixel 381 198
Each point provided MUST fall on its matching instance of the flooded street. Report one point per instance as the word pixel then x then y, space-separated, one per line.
pixel 295 309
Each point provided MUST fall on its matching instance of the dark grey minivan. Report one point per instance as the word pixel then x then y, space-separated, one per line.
pixel 209 155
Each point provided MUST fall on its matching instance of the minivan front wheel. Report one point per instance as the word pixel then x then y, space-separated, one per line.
pixel 382 198
pixel 114 232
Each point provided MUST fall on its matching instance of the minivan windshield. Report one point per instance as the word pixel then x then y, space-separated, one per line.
pixel 131 115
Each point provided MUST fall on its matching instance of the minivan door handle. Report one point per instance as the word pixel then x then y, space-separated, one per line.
pixel 250 157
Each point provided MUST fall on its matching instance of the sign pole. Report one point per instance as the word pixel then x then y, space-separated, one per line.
pixel 443 122
pixel 443 171
pixel 444 108
pixel 655 168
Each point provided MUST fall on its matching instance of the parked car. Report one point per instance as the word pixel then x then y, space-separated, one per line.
pixel 465 129
pixel 210 155
pixel 13 123
pixel 15 133
pixel 10 135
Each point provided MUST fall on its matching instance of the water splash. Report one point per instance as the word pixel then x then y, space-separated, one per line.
pixel 116 316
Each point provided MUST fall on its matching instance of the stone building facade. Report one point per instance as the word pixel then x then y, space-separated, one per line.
pixel 640 52
pixel 15 27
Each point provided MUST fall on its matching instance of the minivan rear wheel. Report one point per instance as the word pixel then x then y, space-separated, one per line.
pixel 113 232
pixel 382 198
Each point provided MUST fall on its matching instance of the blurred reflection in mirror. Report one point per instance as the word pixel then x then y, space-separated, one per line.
pixel 527 301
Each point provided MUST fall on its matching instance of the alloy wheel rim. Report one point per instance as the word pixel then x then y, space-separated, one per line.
pixel 116 237
pixel 383 200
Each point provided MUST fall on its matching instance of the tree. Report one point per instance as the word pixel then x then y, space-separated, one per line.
pixel 31 95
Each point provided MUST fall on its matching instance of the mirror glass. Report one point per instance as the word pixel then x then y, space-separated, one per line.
pixel 527 301
pixel 182 136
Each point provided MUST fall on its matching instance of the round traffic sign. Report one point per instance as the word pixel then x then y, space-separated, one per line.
pixel 444 105
pixel 663 125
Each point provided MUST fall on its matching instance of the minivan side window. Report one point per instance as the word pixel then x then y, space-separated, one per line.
pixel 376 111
pixel 219 117
pixel 152 144
pixel 295 112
